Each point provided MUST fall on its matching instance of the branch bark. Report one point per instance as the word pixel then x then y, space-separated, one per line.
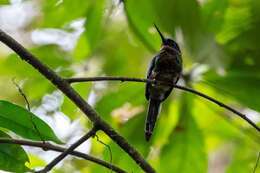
pixel 55 161
pixel 49 146
pixel 123 79
pixel 65 87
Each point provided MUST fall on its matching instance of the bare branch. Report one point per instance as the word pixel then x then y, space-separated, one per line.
pixel 52 147
pixel 65 87
pixel 55 161
pixel 123 79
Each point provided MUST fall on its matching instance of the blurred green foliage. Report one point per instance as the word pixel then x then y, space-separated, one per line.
pixel 4 2
pixel 191 134
pixel 13 157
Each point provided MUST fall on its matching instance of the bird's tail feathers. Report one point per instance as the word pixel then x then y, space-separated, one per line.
pixel 153 111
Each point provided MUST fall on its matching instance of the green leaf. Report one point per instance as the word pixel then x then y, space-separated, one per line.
pixel 49 54
pixel 244 155
pixel 140 20
pixel 89 40
pixel 137 139
pixel 68 107
pixel 82 49
pixel 132 93
pixel 185 150
pixel 238 84
pixel 122 57
pixel 53 56
pixel 4 2
pixel 18 120
pixel 171 17
pixel 41 86
pixel 93 23
pixel 167 15
pixel 237 20
pixel 12 157
pixel 213 14
pixel 57 13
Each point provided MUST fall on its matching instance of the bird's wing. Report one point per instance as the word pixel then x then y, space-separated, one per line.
pixel 148 73
pixel 167 93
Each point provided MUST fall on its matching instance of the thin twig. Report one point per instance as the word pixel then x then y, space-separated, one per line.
pixel 123 79
pixel 21 92
pixel 110 151
pixel 55 161
pixel 66 88
pixel 57 148
pixel 256 164
pixel 29 109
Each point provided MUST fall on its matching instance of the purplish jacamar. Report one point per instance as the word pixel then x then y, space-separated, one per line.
pixel 165 67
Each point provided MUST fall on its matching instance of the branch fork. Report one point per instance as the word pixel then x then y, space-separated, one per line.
pixel 99 124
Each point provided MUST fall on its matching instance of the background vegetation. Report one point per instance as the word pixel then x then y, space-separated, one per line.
pixel 219 40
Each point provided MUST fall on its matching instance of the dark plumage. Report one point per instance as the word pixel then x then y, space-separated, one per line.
pixel 166 66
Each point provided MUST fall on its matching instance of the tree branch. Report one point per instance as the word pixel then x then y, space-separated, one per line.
pixel 123 79
pixel 55 161
pixel 65 87
pixel 112 78
pixel 52 147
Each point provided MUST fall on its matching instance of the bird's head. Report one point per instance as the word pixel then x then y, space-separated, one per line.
pixel 167 42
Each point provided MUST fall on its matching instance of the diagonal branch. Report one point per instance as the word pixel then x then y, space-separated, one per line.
pixel 55 161
pixel 65 87
pixel 123 79
pixel 49 146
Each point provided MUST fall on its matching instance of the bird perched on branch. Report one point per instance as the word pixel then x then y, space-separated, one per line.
pixel 165 67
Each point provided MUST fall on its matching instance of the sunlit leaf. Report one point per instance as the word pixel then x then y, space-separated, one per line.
pixel 57 13
pixel 50 55
pixel 35 161
pixel 93 23
pixel 237 20
pixel 238 84
pixel 166 122
pixel 4 2
pixel 82 49
pixel 12 157
pixel 244 156
pixel 19 120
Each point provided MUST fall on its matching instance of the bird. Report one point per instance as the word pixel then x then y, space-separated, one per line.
pixel 165 67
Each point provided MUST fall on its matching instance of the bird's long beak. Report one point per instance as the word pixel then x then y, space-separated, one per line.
pixel 162 37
